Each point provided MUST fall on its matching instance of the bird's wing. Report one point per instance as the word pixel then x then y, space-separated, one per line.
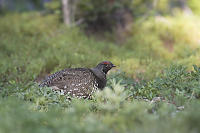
pixel 74 81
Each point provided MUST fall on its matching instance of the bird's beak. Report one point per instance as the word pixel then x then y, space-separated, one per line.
pixel 114 66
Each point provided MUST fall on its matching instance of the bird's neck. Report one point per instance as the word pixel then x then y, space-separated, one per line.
pixel 99 73
pixel 101 76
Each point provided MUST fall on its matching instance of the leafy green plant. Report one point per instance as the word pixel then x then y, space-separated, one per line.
pixel 35 45
pixel 175 85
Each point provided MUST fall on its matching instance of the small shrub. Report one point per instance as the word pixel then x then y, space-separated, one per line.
pixel 176 85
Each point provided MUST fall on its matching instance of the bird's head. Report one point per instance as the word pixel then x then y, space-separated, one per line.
pixel 105 66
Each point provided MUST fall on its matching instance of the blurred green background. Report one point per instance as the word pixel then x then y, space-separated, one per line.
pixel 154 43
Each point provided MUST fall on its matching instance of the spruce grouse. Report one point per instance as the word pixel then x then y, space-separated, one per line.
pixel 79 82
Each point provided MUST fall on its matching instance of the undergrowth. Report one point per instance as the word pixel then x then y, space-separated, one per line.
pixel 155 87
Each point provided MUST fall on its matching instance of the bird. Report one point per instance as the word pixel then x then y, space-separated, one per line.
pixel 79 82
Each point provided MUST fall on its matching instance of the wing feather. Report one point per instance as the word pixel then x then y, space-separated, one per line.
pixel 74 81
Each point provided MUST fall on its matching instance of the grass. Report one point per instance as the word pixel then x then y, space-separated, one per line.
pixel 158 61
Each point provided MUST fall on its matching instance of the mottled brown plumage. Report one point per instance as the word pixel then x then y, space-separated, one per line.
pixel 79 82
